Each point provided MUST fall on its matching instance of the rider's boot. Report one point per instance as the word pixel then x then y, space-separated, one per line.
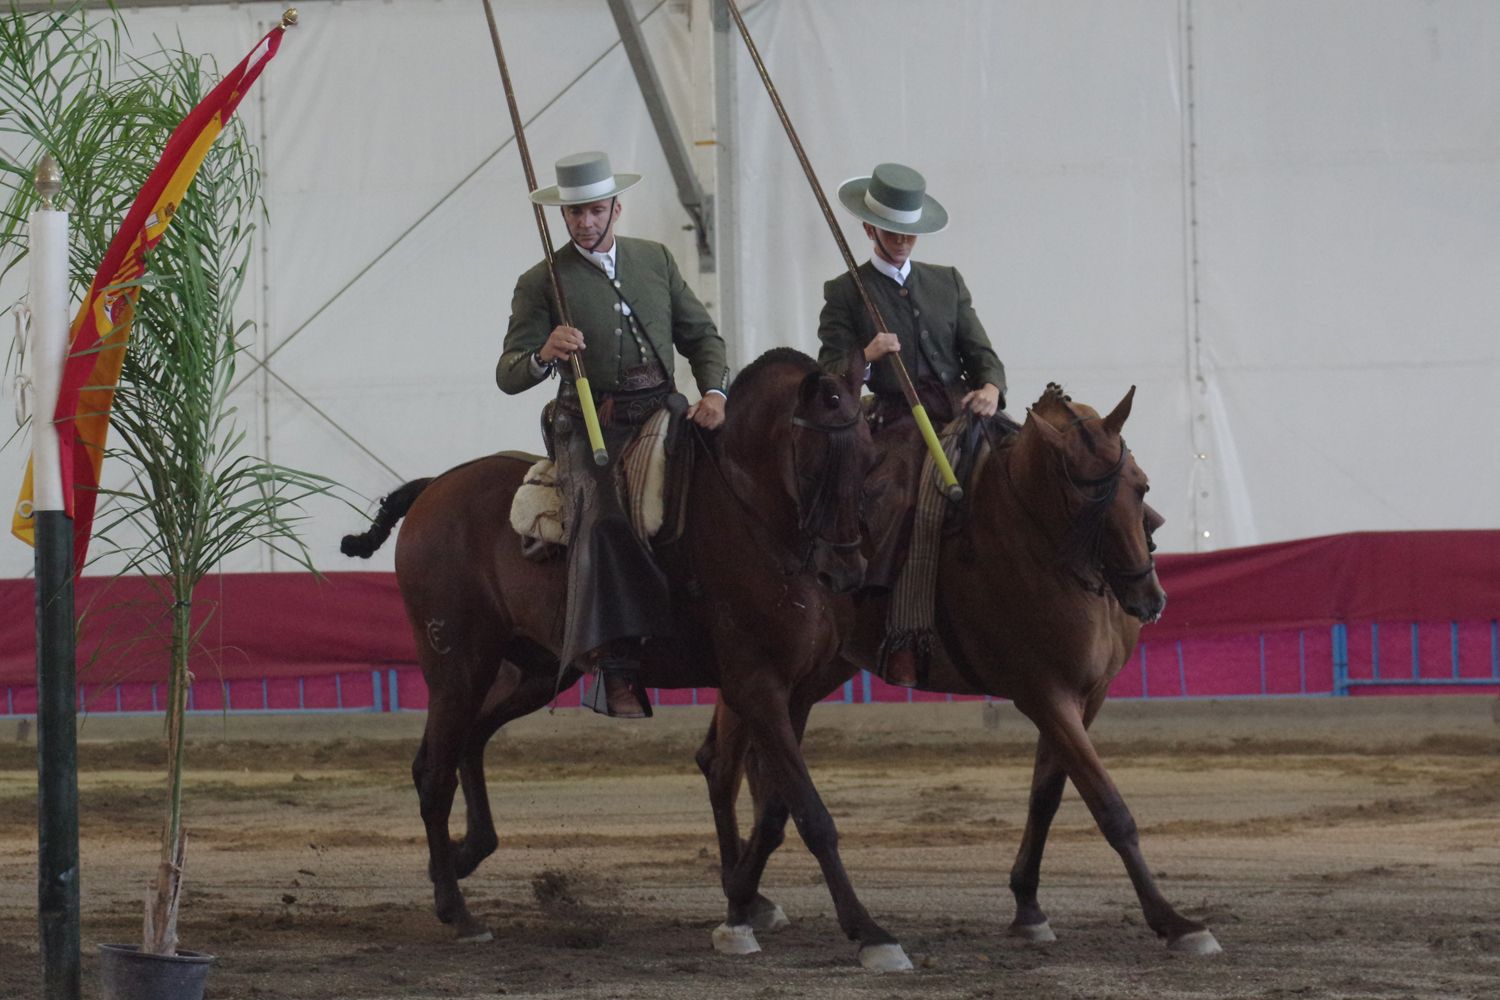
pixel 617 690
pixel 900 668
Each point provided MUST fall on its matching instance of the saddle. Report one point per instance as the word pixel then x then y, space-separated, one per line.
pixel 969 442
pixel 653 473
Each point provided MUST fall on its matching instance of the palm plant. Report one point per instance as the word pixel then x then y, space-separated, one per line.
pixel 189 493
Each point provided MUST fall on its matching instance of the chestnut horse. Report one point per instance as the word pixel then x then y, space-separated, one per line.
pixel 771 533
pixel 1040 600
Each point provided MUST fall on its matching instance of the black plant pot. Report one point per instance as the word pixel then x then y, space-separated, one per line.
pixel 130 974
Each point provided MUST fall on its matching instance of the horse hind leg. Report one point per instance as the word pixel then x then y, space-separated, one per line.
pixel 510 697
pixel 1062 724
pixel 435 774
pixel 1048 779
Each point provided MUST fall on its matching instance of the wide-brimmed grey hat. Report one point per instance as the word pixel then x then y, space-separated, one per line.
pixel 582 178
pixel 894 198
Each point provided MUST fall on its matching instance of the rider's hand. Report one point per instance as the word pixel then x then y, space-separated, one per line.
pixel 561 343
pixel 708 412
pixel 883 344
pixel 984 401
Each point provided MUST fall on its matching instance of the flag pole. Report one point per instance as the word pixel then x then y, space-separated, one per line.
pixel 951 489
pixel 56 711
pixel 580 378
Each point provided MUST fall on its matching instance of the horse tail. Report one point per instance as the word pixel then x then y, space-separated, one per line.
pixel 393 507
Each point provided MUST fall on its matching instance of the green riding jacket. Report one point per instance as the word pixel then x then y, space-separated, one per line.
pixel 932 315
pixel 647 279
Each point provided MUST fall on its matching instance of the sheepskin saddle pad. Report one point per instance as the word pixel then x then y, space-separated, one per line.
pixel 537 511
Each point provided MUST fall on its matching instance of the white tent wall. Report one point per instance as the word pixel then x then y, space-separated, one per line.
pixel 1291 248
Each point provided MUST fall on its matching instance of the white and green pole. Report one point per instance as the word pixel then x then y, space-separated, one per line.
pixel 56 710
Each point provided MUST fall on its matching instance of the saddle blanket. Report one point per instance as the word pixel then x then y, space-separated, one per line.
pixel 537 511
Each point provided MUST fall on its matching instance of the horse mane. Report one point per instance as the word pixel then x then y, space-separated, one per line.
pixel 748 375
pixel 840 484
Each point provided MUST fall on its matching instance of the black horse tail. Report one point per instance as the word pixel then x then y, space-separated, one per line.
pixel 393 507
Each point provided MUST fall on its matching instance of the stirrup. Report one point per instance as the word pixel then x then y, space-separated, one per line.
pixel 617 691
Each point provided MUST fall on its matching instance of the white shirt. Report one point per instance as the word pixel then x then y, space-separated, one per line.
pixel 884 267
pixel 604 260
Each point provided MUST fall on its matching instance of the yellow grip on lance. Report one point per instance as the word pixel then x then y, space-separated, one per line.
pixel 591 420
pixel 951 489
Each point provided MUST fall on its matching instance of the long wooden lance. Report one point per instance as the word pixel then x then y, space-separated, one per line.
pixel 951 488
pixel 580 379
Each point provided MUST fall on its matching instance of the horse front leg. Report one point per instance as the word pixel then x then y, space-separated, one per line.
pixel 774 742
pixel 1048 779
pixel 722 759
pixel 1061 723
pixel 769 831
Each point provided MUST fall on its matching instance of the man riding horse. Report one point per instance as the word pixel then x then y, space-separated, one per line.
pixel 630 307
pixel 936 332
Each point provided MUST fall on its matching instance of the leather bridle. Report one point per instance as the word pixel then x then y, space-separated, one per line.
pixel 1107 486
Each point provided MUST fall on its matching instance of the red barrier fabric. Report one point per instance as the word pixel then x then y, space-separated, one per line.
pixel 1362 577
pixel 276 627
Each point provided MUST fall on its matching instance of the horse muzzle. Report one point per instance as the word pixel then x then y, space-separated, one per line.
pixel 839 569
pixel 1149 606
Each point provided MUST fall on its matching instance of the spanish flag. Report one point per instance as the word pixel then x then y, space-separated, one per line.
pixel 99 332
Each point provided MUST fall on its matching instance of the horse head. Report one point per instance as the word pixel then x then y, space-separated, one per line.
pixel 797 448
pixel 1092 496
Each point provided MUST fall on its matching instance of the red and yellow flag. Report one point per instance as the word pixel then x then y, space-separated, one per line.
pixel 97 338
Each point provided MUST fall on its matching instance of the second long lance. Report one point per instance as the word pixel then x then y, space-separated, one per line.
pixel 951 489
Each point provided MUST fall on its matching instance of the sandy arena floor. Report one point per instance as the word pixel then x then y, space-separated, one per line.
pixel 1337 849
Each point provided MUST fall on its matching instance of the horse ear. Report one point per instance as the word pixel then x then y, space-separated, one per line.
pixel 1116 418
pixel 1048 433
pixel 855 367
pixel 819 385
pixel 808 389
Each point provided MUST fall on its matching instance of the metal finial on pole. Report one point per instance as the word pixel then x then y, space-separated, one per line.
pixel 289 17
pixel 48 181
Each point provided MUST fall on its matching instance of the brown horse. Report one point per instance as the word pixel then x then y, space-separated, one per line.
pixel 1040 599
pixel 772 531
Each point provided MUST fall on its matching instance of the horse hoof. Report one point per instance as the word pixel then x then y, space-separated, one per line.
pixel 1196 943
pixel 770 919
pixel 884 958
pixel 1033 933
pixel 736 940
pixel 475 933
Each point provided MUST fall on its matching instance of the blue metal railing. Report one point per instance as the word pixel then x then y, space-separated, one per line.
pixel 1198 674
pixel 1344 684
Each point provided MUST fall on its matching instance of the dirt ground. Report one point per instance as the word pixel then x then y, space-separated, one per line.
pixel 1343 848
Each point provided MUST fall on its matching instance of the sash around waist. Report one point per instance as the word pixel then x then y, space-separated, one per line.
pixel 641 391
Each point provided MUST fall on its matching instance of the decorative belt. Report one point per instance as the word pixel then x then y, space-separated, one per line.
pixel 640 391
pixel 941 402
